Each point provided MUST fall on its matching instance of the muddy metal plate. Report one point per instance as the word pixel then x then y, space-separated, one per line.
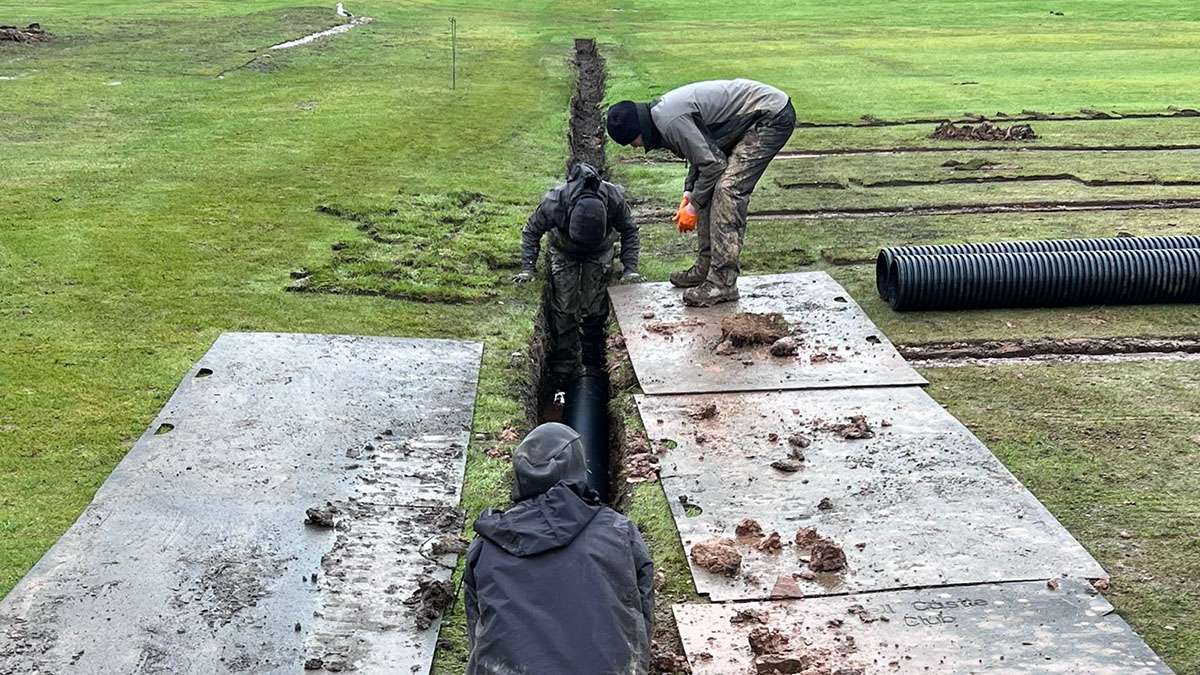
pixel 194 555
pixel 1013 628
pixel 920 503
pixel 673 347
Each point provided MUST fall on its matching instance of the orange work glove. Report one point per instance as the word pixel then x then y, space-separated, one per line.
pixel 685 217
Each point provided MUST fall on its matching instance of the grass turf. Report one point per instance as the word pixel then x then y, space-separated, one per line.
pixel 150 205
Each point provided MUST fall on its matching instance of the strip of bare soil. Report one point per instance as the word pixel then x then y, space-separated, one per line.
pixel 1084 115
pixel 1028 347
pixel 968 180
pixel 963 209
pixel 662 158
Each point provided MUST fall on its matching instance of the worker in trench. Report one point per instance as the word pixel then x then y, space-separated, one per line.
pixel 559 583
pixel 728 131
pixel 584 218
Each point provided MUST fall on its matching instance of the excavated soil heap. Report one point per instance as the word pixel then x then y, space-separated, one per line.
pixel 31 33
pixel 984 131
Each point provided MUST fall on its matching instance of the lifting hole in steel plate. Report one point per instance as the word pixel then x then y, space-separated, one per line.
pixel 840 299
pixel 204 372
pixel 164 429
pixel 873 339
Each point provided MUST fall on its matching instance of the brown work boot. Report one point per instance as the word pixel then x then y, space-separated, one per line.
pixel 689 278
pixel 708 294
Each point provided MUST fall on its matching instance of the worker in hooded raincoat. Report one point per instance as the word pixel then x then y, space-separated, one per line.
pixel 584 218
pixel 559 583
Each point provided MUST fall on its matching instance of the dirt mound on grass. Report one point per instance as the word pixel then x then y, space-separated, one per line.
pixel 31 33
pixel 984 131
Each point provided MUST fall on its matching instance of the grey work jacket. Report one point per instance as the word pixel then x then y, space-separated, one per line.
pixel 701 122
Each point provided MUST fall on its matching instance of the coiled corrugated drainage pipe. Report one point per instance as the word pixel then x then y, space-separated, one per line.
pixel 1044 279
pixel 883 263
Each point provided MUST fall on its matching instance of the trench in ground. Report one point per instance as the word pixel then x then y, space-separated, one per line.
pixel 586 140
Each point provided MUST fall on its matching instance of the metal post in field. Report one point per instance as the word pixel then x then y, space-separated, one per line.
pixel 453 53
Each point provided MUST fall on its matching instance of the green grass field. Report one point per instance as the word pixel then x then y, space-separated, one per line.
pixel 150 205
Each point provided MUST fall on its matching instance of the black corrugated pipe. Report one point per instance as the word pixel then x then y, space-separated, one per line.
pixel 1044 279
pixel 586 412
pixel 883 264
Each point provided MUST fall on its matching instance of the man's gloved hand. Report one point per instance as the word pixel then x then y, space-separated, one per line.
pixel 524 277
pixel 685 217
pixel 632 277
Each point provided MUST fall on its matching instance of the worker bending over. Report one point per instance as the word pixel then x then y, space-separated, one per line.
pixel 584 217
pixel 558 584
pixel 728 131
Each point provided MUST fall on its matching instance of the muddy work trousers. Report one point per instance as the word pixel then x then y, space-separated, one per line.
pixel 578 303
pixel 721 225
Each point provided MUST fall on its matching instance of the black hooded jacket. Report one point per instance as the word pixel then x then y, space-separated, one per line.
pixel 558 586
pixel 551 216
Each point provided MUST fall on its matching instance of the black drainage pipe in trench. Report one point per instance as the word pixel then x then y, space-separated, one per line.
pixel 883 263
pixel 586 412
pixel 1044 279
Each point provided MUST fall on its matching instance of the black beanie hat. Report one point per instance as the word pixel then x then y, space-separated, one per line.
pixel 588 222
pixel 622 122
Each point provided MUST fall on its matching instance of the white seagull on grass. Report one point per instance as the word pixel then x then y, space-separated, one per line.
pixel 341 11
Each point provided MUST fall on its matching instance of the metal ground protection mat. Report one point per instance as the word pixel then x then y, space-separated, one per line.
pixel 195 557
pixel 673 347
pixel 920 502
pixel 1014 628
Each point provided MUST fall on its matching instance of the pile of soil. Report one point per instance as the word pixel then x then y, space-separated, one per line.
pixel 749 528
pixel 806 537
pixel 788 464
pixel 785 346
pixel 430 599
pixel 450 543
pixel 749 616
pixel 827 556
pixel 667 661
pixel 704 411
pixel 747 329
pixel 984 131
pixel 31 33
pixel 824 554
pixel 322 516
pixel 856 426
pixel 770 543
pixel 765 641
pixel 718 556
